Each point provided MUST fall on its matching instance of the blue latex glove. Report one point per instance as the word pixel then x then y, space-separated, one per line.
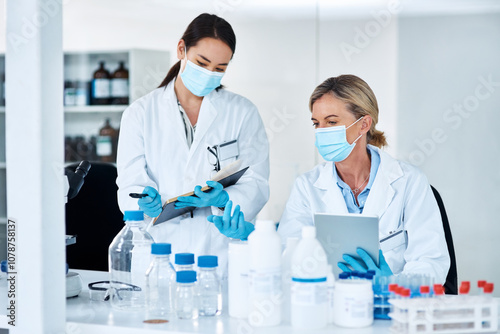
pixel 233 226
pixel 151 204
pixel 216 196
pixel 368 263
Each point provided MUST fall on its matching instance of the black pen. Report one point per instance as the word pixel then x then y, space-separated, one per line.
pixel 136 195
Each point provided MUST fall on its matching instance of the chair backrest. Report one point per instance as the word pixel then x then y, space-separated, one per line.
pixel 451 285
pixel 94 216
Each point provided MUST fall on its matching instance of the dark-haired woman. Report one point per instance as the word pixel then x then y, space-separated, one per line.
pixel 175 138
pixel 360 178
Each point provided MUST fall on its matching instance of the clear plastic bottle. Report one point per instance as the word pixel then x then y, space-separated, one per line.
pixel 129 258
pixel 184 261
pixel 185 297
pixel 160 278
pixel 209 290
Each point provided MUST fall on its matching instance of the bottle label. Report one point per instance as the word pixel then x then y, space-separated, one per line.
pixel 100 88
pixel 309 292
pixel 69 96
pixel 119 87
pixel 103 146
pixel 265 282
pixel 81 97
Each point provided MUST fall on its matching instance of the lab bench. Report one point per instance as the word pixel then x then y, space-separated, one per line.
pixel 94 317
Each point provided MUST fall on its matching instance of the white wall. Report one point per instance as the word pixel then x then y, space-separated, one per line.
pixel 418 67
pixel 442 60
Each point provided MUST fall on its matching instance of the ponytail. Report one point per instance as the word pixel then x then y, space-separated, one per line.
pixel 172 73
pixel 376 138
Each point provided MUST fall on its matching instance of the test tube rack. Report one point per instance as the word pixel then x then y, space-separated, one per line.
pixel 449 314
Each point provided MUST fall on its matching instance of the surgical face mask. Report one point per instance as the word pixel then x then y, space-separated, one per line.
pixel 199 80
pixel 332 142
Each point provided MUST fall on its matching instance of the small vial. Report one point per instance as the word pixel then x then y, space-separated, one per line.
pixel 209 286
pixel 488 289
pixel 185 301
pixel 464 288
pixel 369 276
pixel 480 286
pixel 184 261
pixel 355 274
pixel 425 291
pixel 438 290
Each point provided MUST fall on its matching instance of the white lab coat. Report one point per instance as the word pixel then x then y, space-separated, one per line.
pixel 153 151
pixel 402 199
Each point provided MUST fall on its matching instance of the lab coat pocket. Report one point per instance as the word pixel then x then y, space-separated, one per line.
pixel 394 240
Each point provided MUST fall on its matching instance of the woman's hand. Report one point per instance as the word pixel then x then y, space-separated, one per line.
pixel 151 204
pixel 216 196
pixel 233 226
pixel 368 263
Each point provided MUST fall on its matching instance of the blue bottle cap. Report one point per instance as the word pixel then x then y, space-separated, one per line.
pixel 344 275
pixel 184 258
pixel 4 266
pixel 161 249
pixel 186 276
pixel 355 273
pixel 207 261
pixel 361 275
pixel 371 272
pixel 133 215
pixel 369 276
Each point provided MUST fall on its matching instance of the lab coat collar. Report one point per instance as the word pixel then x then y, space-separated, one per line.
pixel 381 193
pixel 332 195
pixel 207 115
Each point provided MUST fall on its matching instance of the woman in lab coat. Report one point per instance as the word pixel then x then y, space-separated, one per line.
pixel 170 143
pixel 359 177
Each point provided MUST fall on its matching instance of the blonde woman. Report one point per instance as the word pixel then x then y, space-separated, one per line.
pixel 358 177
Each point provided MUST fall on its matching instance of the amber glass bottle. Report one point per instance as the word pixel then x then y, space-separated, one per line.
pixel 107 143
pixel 119 85
pixel 100 86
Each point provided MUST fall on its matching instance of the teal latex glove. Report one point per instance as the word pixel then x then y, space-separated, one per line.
pixel 367 264
pixel 216 196
pixel 233 226
pixel 151 204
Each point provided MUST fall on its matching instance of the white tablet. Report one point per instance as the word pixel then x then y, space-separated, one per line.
pixel 343 234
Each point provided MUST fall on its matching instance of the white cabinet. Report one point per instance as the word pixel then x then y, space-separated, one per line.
pixel 147 68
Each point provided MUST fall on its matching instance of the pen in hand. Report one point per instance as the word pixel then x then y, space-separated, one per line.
pixel 136 195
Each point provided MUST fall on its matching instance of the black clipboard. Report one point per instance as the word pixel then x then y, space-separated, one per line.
pixel 169 211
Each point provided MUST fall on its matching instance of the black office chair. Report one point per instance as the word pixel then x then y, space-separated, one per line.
pixel 93 215
pixel 451 285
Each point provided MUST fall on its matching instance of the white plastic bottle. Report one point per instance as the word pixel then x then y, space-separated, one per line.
pixel 309 282
pixel 286 272
pixel 330 285
pixel 238 268
pixel 265 275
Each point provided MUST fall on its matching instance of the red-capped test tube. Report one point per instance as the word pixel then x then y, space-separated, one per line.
pixel 480 286
pixel 425 291
pixel 488 289
pixel 438 290
pixel 464 288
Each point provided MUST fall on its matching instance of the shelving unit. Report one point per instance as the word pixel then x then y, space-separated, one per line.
pixel 147 68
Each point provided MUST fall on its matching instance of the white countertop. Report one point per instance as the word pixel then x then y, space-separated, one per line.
pixel 85 316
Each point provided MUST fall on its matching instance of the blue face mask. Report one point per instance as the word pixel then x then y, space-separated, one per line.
pixel 332 142
pixel 199 80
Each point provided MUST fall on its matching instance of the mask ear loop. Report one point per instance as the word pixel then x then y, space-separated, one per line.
pixel 361 135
